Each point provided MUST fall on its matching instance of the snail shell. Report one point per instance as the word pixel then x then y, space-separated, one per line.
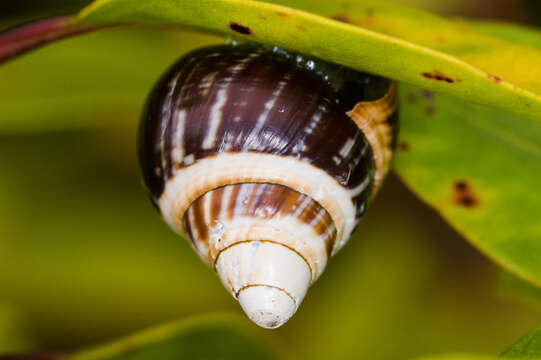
pixel 265 161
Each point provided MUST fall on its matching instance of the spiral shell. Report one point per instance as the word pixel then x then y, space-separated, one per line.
pixel 266 161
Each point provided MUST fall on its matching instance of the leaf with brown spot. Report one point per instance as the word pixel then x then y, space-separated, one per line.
pixel 241 29
pixel 496 79
pixel 463 195
pixel 341 18
pixel 495 157
pixel 479 169
pixel 377 35
pixel 439 76
pixel 430 110
pixel 404 146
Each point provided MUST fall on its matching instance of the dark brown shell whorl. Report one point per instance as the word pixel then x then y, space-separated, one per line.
pixel 251 144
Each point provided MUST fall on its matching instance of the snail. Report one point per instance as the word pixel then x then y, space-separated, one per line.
pixel 265 161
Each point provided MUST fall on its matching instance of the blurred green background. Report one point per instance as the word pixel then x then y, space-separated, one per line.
pixel 84 257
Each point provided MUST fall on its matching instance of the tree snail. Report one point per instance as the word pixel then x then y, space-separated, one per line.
pixel 265 161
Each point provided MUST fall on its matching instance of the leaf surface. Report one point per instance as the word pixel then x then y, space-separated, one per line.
pixel 495 155
pixel 208 337
pixel 404 44
pixel 479 173
pixel 527 347
pixel 401 43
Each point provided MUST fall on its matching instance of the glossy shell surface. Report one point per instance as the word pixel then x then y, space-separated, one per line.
pixel 251 144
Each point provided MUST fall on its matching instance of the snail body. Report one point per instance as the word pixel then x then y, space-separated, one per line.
pixel 266 162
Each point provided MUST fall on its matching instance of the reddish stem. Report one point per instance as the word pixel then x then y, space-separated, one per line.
pixel 30 36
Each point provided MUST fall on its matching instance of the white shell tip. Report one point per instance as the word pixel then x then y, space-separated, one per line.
pixel 268 279
pixel 268 307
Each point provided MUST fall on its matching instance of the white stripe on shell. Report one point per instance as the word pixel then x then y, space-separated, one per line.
pixel 360 188
pixel 228 190
pixel 305 203
pixel 258 194
pixel 178 139
pixel 346 149
pixel 232 168
pixel 178 100
pixel 252 138
pixel 317 218
pixel 242 199
pixel 164 124
pixel 206 209
pixel 286 230
pixel 316 118
pixel 216 115
pixel 216 111
pixel 189 159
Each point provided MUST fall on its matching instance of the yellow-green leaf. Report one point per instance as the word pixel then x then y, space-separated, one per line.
pixel 496 156
pixel 405 44
pixel 410 46
pixel 209 337
pixel 15 335
pixel 479 168
pixel 527 347
pixel 457 357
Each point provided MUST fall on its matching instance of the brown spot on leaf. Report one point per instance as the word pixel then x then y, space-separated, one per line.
pixel 461 185
pixel 439 76
pixel 241 29
pixel 428 95
pixel 464 195
pixel 494 78
pixel 404 146
pixel 301 28
pixel 342 18
pixel 282 14
pixel 430 110
pixel 528 105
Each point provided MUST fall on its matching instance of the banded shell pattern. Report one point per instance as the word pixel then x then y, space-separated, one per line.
pixel 266 161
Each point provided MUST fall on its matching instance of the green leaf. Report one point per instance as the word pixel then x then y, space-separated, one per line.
pixel 209 337
pixel 478 172
pixel 527 347
pixel 495 154
pixel 511 287
pixel 420 44
pixel 15 335
pixel 514 33
pixel 400 43
pixel 456 357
